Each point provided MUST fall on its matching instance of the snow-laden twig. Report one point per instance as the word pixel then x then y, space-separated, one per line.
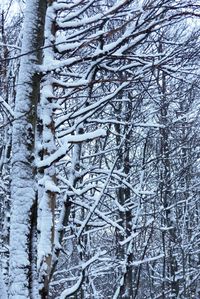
pixel 6 106
pixel 60 153
pixel 70 291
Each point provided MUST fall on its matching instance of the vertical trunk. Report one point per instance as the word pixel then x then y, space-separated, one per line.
pixel 48 188
pixel 23 193
pixel 3 291
pixel 166 193
pixel 4 56
pixel 123 194
pixel 5 148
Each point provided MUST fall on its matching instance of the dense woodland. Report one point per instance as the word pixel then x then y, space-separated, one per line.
pixel 100 149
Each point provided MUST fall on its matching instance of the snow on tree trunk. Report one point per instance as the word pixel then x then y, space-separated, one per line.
pixel 3 292
pixel 23 187
pixel 48 189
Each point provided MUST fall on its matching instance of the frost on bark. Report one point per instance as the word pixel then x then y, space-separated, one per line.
pixel 23 191
pixel 47 190
pixel 3 293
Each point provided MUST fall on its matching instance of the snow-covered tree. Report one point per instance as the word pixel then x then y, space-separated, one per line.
pixel 104 150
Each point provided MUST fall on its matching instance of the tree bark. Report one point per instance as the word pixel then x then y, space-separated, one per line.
pixel 23 187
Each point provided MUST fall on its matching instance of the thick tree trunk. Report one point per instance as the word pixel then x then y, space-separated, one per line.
pixel 48 189
pixel 23 191
pixel 3 291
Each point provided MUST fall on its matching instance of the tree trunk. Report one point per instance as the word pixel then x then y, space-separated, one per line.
pixel 23 191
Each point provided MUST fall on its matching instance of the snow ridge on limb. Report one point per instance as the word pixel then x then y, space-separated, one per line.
pixel 61 152
pixel 84 266
pixel 7 107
